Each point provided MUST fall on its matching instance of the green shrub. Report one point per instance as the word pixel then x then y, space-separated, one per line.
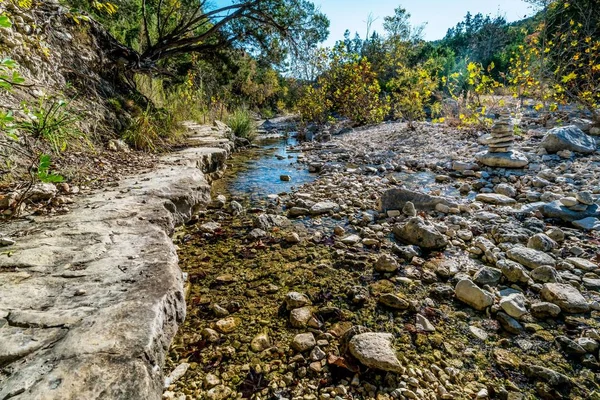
pixel 52 120
pixel 241 124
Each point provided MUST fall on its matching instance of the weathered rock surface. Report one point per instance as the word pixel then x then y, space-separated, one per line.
pixel 568 138
pixel 421 233
pixel 508 159
pixel 375 350
pixel 565 296
pixel 530 258
pixel 469 293
pixel 95 296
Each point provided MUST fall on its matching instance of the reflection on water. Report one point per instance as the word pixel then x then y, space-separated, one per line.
pixel 261 175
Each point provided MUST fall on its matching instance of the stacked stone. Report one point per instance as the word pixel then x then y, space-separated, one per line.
pixel 502 136
pixel 500 153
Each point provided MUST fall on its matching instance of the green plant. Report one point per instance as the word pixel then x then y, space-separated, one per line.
pixel 143 134
pixel 43 171
pixel 51 120
pixel 412 90
pixel 241 124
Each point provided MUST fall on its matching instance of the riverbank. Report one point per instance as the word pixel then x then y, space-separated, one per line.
pixel 475 294
pixel 91 299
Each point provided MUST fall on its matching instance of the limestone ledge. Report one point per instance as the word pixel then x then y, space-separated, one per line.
pixel 90 301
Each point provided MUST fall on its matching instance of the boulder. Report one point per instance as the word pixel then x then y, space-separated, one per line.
pixel 568 138
pixel 396 199
pixel 375 350
pixel 469 293
pixel 324 207
pixel 421 233
pixel 568 298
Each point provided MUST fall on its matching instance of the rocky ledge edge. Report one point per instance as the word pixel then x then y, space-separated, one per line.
pixel 90 300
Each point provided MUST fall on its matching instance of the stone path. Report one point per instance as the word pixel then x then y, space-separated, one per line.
pixel 90 300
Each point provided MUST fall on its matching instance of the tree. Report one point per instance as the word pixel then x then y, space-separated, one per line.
pixel 157 30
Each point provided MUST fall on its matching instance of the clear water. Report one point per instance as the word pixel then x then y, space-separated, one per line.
pixel 261 174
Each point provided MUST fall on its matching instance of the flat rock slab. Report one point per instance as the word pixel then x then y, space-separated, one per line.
pixel 557 210
pixel 507 159
pixel 92 299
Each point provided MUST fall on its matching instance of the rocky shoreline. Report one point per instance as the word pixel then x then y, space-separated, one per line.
pixel 471 282
pixel 91 299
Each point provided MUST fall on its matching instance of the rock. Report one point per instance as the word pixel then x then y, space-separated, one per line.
pixel 228 325
pixel 220 392
pixel 303 342
pixel 495 198
pixel 541 242
pixel 210 227
pixel 508 323
pixel 396 199
pixel 421 233
pixel 548 375
pixel 351 240
pixel 585 198
pixel 590 345
pixel 506 190
pixel 176 374
pixel 260 342
pixel 569 201
pixel 469 293
pixel 423 324
pixel 211 380
pixel 568 138
pixel 210 335
pixel 529 257
pixel 298 212
pixel 514 305
pixel 375 350
pixel 588 224
pixel 557 210
pixel 296 300
pixel 235 208
pixel 218 202
pixel 487 276
pixel 285 178
pixel 6 241
pixel 42 191
pixel 324 207
pixel 565 296
pixel 509 159
pixel 292 238
pixel 299 317
pixel 386 263
pixel 409 209
pixel 582 263
pixel 545 274
pixel 513 271
pixel 543 310
pixel 569 346
pixel 394 301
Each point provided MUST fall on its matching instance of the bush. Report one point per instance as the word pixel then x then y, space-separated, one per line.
pixel 152 130
pixel 241 124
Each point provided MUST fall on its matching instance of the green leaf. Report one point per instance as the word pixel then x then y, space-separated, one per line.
pixel 5 22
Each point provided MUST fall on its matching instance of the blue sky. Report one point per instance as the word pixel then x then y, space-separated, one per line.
pixel 439 14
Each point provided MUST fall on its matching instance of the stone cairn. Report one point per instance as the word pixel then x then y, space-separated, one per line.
pixel 500 153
